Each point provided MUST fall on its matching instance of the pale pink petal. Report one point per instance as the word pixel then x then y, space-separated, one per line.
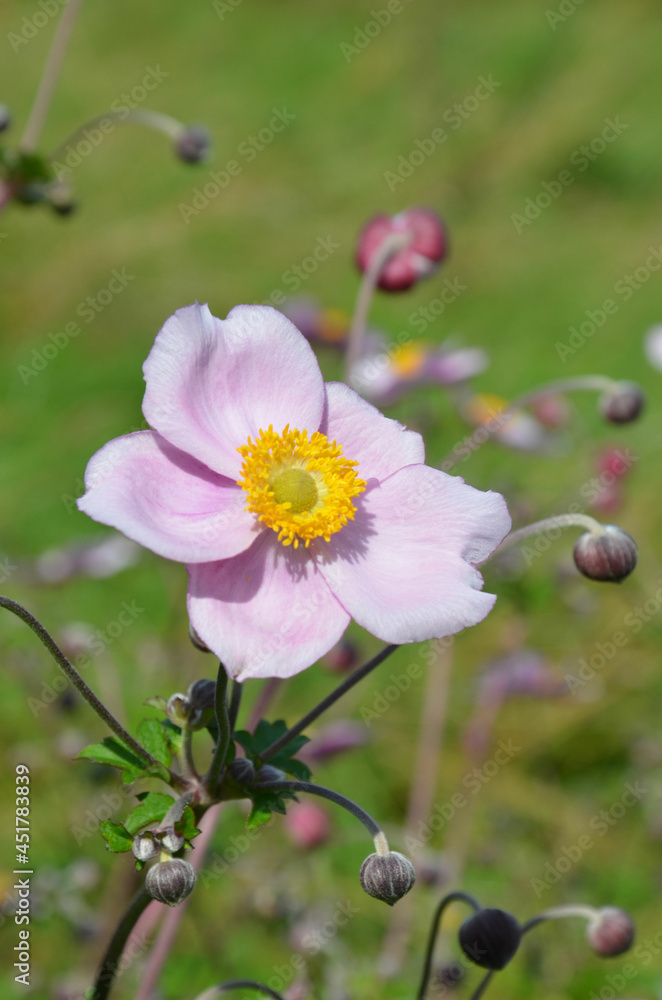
pixel 381 446
pixel 266 613
pixel 166 500
pixel 211 383
pixel 403 568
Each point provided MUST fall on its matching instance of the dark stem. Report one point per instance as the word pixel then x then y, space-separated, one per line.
pixel 482 986
pixel 330 699
pixel 108 967
pixel 530 924
pixel 369 823
pixel 224 731
pixel 235 702
pixel 452 897
pixel 238 984
pixel 72 674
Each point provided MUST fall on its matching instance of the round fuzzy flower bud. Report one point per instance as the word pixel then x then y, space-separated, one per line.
pixel 201 695
pixel 145 847
pixel 193 144
pixel 609 556
pixel 269 773
pixel 490 938
pixel 611 932
pixel 419 258
pixel 242 771
pixel 623 403
pixel 388 877
pixel 5 117
pixel 171 881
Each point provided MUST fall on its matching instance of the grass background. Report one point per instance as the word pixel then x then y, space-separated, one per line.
pixel 321 178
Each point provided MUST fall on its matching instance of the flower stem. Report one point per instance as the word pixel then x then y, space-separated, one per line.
pixel 50 76
pixel 108 967
pixel 482 986
pixel 369 823
pixel 560 521
pixel 224 730
pixel 235 702
pixel 330 699
pixel 356 337
pixel 238 984
pixel 452 897
pixel 143 116
pixel 72 674
pixel 558 912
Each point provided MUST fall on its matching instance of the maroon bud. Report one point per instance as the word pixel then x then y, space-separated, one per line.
pixel 609 556
pixel 193 144
pixel 171 881
pixel 490 938
pixel 388 877
pixel 623 403
pixel 611 932
pixel 426 247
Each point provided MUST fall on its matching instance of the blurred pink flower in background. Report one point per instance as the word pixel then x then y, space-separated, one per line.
pixel 215 486
pixel 427 246
pixel 307 824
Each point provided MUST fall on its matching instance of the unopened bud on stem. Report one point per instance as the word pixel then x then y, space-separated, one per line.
pixel 388 877
pixel 609 555
pixel 490 938
pixel 611 932
pixel 170 882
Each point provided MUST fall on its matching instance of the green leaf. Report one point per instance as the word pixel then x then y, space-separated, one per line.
pixel 267 733
pixel 186 825
pixel 266 801
pixel 152 809
pixel 113 753
pixel 153 738
pixel 117 837
pixel 173 735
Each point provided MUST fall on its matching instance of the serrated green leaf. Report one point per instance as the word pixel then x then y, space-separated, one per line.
pixel 186 825
pixel 173 735
pixel 117 837
pixel 300 770
pixel 257 817
pixel 152 736
pixel 113 753
pixel 266 801
pixel 152 809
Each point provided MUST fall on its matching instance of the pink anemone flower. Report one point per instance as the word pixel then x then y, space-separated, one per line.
pixel 295 505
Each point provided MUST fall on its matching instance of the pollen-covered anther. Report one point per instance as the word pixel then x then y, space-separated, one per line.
pixel 300 487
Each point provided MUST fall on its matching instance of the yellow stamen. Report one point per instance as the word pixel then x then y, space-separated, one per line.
pixel 409 360
pixel 301 488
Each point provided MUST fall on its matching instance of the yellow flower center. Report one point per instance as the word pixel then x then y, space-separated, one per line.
pixel 301 488
pixel 408 362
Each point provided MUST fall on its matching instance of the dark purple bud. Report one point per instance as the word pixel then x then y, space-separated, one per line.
pixel 609 556
pixel 270 773
pixel 490 938
pixel 388 877
pixel 171 841
pixel 201 695
pixel 623 403
pixel 611 932
pixel 242 771
pixel 171 881
pixel 193 144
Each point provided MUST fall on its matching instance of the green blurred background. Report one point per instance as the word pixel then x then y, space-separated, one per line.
pixel 562 71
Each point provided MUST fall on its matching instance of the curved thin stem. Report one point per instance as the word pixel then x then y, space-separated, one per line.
pixel 369 823
pixel 559 521
pixel 482 986
pixel 106 974
pixel 452 897
pixel 224 730
pixel 330 699
pixel 238 984
pixel 72 674
pixel 356 337
pixel 141 116
pixel 50 76
pixel 558 913
pixel 579 383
